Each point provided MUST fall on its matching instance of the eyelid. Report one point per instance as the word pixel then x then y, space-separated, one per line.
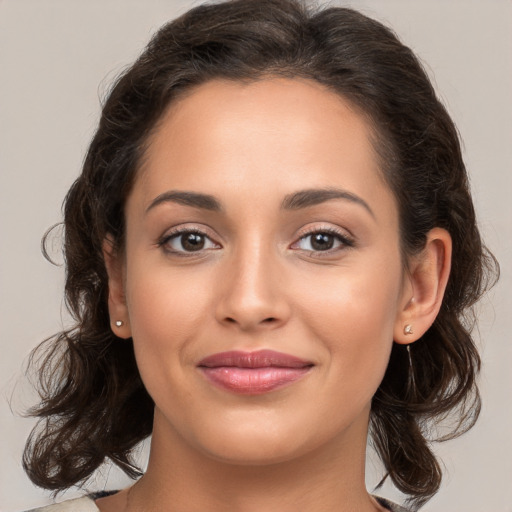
pixel 324 228
pixel 183 229
pixel 346 238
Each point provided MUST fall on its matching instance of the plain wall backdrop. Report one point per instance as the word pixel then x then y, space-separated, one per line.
pixel 57 58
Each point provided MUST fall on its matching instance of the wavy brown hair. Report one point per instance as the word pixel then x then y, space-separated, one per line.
pixel 93 403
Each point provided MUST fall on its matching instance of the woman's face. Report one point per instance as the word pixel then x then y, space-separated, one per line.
pixel 260 222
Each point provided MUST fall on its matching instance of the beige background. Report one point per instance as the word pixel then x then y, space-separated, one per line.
pixel 57 58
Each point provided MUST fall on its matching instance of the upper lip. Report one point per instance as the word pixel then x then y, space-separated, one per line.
pixel 257 359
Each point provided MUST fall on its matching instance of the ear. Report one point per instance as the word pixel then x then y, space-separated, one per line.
pixel 119 318
pixel 424 286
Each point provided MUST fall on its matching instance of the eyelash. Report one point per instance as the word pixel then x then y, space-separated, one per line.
pixel 345 241
pixel 162 242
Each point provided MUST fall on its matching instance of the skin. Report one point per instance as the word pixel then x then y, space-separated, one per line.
pixel 258 284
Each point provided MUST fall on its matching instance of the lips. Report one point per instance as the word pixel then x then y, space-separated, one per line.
pixel 253 373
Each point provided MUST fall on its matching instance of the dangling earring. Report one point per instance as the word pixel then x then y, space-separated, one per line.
pixel 119 323
pixel 411 381
pixel 408 329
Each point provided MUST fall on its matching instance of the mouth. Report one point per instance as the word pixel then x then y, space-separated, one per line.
pixel 253 373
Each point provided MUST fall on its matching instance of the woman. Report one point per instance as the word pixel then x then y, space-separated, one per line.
pixel 271 251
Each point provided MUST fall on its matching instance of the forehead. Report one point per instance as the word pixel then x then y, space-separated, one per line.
pixel 281 133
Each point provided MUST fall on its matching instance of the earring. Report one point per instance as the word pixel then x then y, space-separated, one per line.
pixel 119 323
pixel 411 381
pixel 408 329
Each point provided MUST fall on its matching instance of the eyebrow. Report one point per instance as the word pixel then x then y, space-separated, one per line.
pixel 295 201
pixel 194 199
pixel 314 196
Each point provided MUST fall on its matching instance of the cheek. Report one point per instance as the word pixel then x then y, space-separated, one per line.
pixel 166 312
pixel 162 303
pixel 354 323
pixel 352 301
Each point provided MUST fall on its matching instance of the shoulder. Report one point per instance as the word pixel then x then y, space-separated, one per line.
pixel 85 504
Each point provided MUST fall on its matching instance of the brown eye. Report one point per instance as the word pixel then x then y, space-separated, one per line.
pixel 188 241
pixel 192 241
pixel 322 241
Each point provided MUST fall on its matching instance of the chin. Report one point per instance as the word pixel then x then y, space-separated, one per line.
pixel 259 452
pixel 257 443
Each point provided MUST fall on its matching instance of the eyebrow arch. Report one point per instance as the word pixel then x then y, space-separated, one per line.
pixel 194 199
pixel 314 196
pixel 295 201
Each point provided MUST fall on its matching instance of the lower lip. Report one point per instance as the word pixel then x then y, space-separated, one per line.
pixel 253 381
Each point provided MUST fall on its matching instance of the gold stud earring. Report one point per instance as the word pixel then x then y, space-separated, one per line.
pixel 119 323
pixel 408 329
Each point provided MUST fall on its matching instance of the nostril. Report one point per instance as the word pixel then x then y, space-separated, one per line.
pixel 249 323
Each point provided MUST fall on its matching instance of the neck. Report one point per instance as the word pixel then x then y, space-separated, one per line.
pixel 181 478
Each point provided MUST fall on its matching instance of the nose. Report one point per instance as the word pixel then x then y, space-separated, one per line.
pixel 253 291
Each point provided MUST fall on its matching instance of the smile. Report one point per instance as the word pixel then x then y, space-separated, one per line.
pixel 253 373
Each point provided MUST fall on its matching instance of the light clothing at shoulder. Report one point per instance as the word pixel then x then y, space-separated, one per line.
pixel 86 504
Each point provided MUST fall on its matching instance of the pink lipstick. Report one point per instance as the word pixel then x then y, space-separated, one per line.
pixel 253 373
